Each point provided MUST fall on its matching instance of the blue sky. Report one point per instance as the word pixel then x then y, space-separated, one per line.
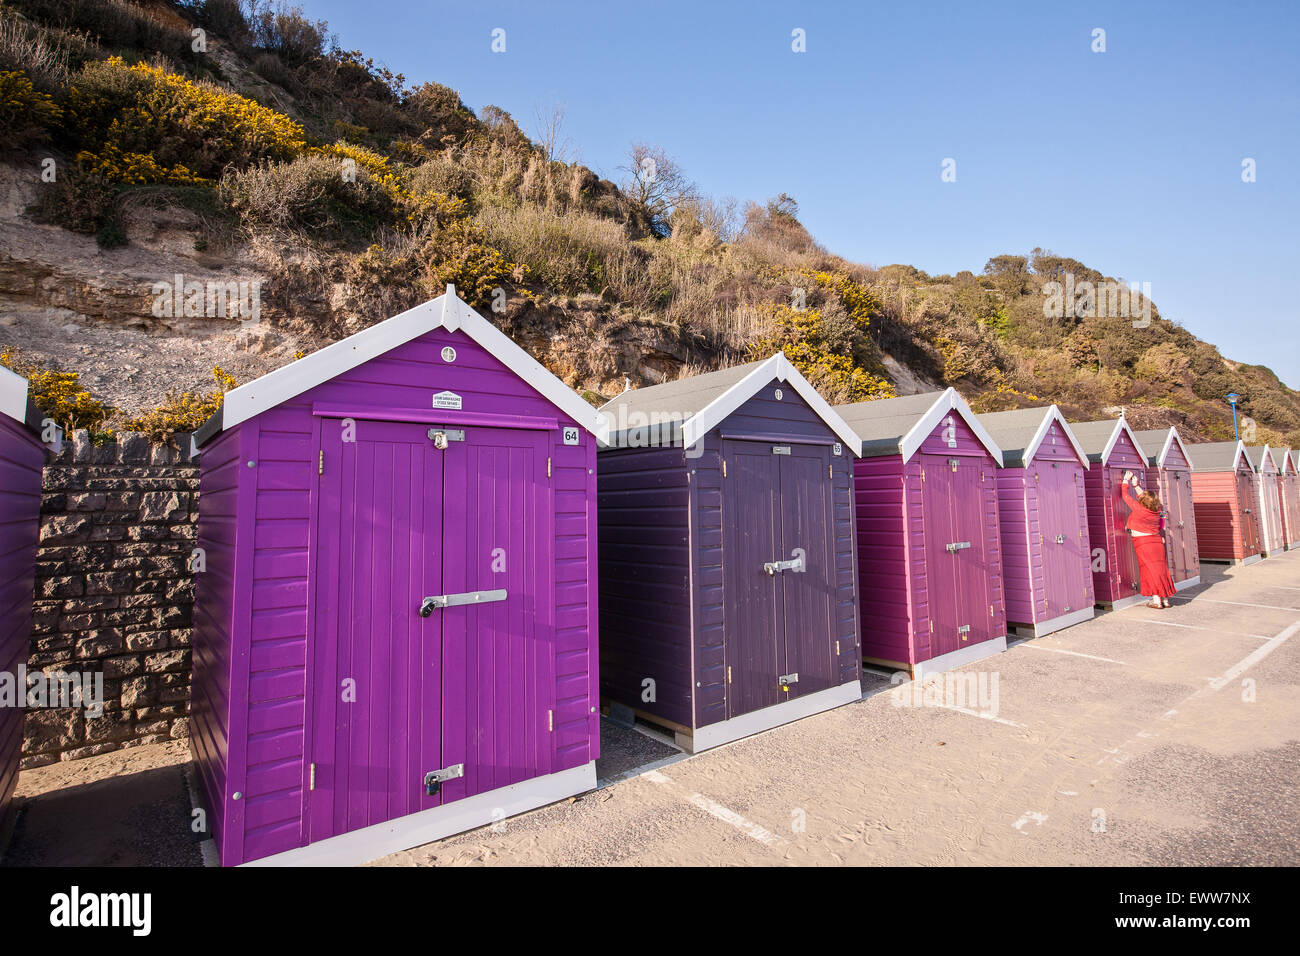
pixel 1128 160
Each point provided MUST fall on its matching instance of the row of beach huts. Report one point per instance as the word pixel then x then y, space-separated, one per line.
pixel 418 544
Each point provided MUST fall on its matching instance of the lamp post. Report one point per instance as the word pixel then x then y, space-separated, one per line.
pixel 1233 399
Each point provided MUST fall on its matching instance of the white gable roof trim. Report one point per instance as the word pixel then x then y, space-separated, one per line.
pixel 1122 427
pixel 777 367
pixel 1054 414
pixel 13 395
pixel 946 403
pixel 1241 453
pixel 445 312
pixel 1172 437
pixel 1266 462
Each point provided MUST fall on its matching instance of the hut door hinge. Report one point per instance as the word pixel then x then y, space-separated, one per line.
pixel 548 467
pixel 311 782
pixel 932 626
pixel 724 468
pixel 728 673
pixel 550 721
pixel 830 471
pixel 837 648
pixel 320 464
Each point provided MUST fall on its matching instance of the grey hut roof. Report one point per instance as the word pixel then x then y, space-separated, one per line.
pixel 684 410
pixel 1214 455
pixel 1018 432
pixel 892 426
pixel 1098 438
pixel 671 402
pixel 1281 456
pixel 1153 442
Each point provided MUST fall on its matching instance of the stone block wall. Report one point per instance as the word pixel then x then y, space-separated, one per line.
pixel 114 594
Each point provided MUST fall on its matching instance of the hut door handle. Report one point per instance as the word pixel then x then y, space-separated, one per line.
pixel 958 546
pixel 794 564
pixel 465 597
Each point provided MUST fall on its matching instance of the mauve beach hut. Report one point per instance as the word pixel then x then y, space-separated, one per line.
pixel 21 459
pixel 1289 491
pixel 1268 496
pixel 930 579
pixel 1113 449
pixel 1225 494
pixel 1169 476
pixel 728 599
pixel 395 619
pixel 1044 520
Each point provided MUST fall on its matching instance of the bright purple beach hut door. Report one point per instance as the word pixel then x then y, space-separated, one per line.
pixel 1125 574
pixel 1179 508
pixel 971 559
pixel 396 694
pixel 956 574
pixel 1064 566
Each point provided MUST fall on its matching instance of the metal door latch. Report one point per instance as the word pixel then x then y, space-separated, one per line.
pixel 434 778
pixel 1060 539
pixel 958 546
pixel 454 600
pixel 785 680
pixel 442 436
pixel 794 564
pixel 963 631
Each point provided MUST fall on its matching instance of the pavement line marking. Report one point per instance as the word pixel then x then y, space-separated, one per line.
pixel 1216 630
pixel 1253 658
pixel 719 812
pixel 1271 607
pixel 1061 650
pixel 976 713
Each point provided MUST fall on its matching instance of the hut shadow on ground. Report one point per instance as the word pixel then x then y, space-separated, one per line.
pixel 138 819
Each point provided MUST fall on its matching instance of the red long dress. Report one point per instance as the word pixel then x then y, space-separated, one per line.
pixel 1153 564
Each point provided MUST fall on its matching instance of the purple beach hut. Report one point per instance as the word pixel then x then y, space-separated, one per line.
pixel 929 544
pixel 395 611
pixel 727 579
pixel 1113 447
pixel 21 459
pixel 1044 520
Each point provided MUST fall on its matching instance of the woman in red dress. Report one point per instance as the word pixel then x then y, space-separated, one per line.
pixel 1146 525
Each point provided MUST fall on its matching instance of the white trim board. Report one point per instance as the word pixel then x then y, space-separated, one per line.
pixel 416 829
pixel 1123 602
pixel 757 721
pixel 963 655
pixel 1054 414
pixel 13 395
pixel 1189 583
pixel 949 401
pixel 777 367
pixel 1057 623
pixel 445 312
